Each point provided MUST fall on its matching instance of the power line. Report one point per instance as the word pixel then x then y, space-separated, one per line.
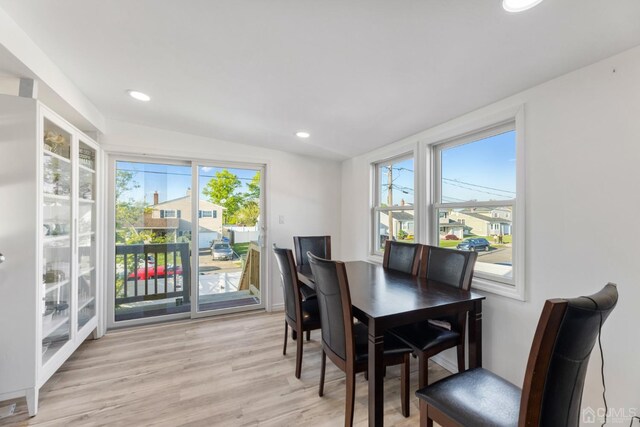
pixel 477 191
pixel 476 185
pixel 178 173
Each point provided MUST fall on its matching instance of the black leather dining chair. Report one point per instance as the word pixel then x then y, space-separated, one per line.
pixel 400 256
pixel 320 246
pixel 346 343
pixel 428 338
pixel 554 379
pixel 301 316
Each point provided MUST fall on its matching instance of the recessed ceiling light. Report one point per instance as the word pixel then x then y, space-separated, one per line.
pixel 303 134
pixel 519 5
pixel 139 95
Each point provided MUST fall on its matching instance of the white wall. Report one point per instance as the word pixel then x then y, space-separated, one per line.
pixel 582 134
pixel 304 190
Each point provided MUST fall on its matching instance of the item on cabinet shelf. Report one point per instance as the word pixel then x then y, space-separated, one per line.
pixel 54 276
pixel 61 307
pixel 48 314
pixel 86 191
pixel 45 346
pixel 45 230
pixel 56 141
pixel 86 157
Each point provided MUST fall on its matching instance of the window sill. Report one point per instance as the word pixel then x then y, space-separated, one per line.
pixel 498 288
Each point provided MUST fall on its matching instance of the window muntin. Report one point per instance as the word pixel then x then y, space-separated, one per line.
pixel 475 199
pixel 393 210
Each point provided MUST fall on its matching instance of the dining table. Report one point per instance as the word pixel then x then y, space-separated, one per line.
pixel 383 299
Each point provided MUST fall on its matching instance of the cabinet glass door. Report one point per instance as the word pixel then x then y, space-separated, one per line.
pixel 56 229
pixel 86 234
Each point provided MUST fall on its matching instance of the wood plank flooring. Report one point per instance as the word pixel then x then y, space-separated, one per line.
pixel 225 371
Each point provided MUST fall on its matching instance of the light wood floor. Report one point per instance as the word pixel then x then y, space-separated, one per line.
pixel 217 372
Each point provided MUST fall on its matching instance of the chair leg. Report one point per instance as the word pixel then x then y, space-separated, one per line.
pixel 425 421
pixel 323 364
pixel 404 385
pixel 423 370
pixel 309 335
pixel 294 334
pixel 351 396
pixel 286 331
pixel 299 356
pixel 461 364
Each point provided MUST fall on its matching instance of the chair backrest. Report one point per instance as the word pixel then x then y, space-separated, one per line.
pixel 320 246
pixel 334 303
pixel 554 380
pixel 289 277
pixel 400 256
pixel 449 266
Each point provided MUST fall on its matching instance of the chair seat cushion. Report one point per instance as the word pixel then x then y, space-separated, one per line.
pixel 307 292
pixel 310 314
pixel 476 397
pixel 423 336
pixel 392 345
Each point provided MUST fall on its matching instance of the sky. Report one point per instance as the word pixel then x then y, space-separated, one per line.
pixel 482 170
pixel 171 181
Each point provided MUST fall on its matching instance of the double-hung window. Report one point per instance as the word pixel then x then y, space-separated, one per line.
pixel 474 203
pixel 393 206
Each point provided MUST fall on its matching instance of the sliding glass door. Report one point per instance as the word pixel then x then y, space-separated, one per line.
pixel 229 238
pixel 179 252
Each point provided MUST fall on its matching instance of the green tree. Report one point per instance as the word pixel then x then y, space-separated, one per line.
pixel 253 193
pixel 221 190
pixel 248 213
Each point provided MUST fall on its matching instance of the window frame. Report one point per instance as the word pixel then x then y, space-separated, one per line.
pixel 376 207
pixel 463 133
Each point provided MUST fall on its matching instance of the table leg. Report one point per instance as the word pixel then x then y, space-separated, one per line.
pixel 475 335
pixel 376 377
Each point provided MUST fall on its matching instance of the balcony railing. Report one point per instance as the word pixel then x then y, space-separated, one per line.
pixel 152 272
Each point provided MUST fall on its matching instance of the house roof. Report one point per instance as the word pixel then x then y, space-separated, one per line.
pixel 487 218
pixel 202 202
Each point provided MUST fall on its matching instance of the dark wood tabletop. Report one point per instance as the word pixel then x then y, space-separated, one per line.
pixel 384 299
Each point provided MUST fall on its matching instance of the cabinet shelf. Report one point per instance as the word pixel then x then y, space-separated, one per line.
pixel 56 285
pixel 86 169
pixel 48 327
pixel 84 303
pixel 86 271
pixel 56 196
pixel 56 156
pixel 52 239
pixel 88 201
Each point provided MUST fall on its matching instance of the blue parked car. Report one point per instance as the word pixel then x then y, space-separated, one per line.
pixel 479 244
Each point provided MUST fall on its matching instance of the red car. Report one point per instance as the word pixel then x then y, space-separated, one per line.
pixel 150 272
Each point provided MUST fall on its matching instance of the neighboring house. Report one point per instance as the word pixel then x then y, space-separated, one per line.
pixel 484 221
pixel 175 216
pixel 449 226
pixel 401 221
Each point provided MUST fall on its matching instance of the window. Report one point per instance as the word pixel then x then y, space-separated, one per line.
pixel 393 206
pixel 475 198
pixel 206 214
pixel 168 213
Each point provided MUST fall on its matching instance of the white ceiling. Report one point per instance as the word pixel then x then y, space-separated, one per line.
pixel 357 74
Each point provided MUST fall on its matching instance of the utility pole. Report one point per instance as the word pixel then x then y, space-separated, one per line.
pixel 390 198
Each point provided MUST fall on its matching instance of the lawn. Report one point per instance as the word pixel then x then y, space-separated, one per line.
pixel 241 248
pixel 453 243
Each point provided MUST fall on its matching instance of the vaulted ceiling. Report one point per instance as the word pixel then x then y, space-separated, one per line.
pixel 357 74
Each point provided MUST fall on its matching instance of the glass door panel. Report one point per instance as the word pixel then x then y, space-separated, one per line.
pixel 229 252
pixel 56 231
pixel 152 236
pixel 86 234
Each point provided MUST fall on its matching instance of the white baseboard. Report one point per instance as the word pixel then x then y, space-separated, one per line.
pixel 277 307
pixel 446 362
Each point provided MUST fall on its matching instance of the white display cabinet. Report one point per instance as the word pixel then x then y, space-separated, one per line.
pixel 49 236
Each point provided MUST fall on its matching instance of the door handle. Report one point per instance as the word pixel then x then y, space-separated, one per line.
pixel 2 258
